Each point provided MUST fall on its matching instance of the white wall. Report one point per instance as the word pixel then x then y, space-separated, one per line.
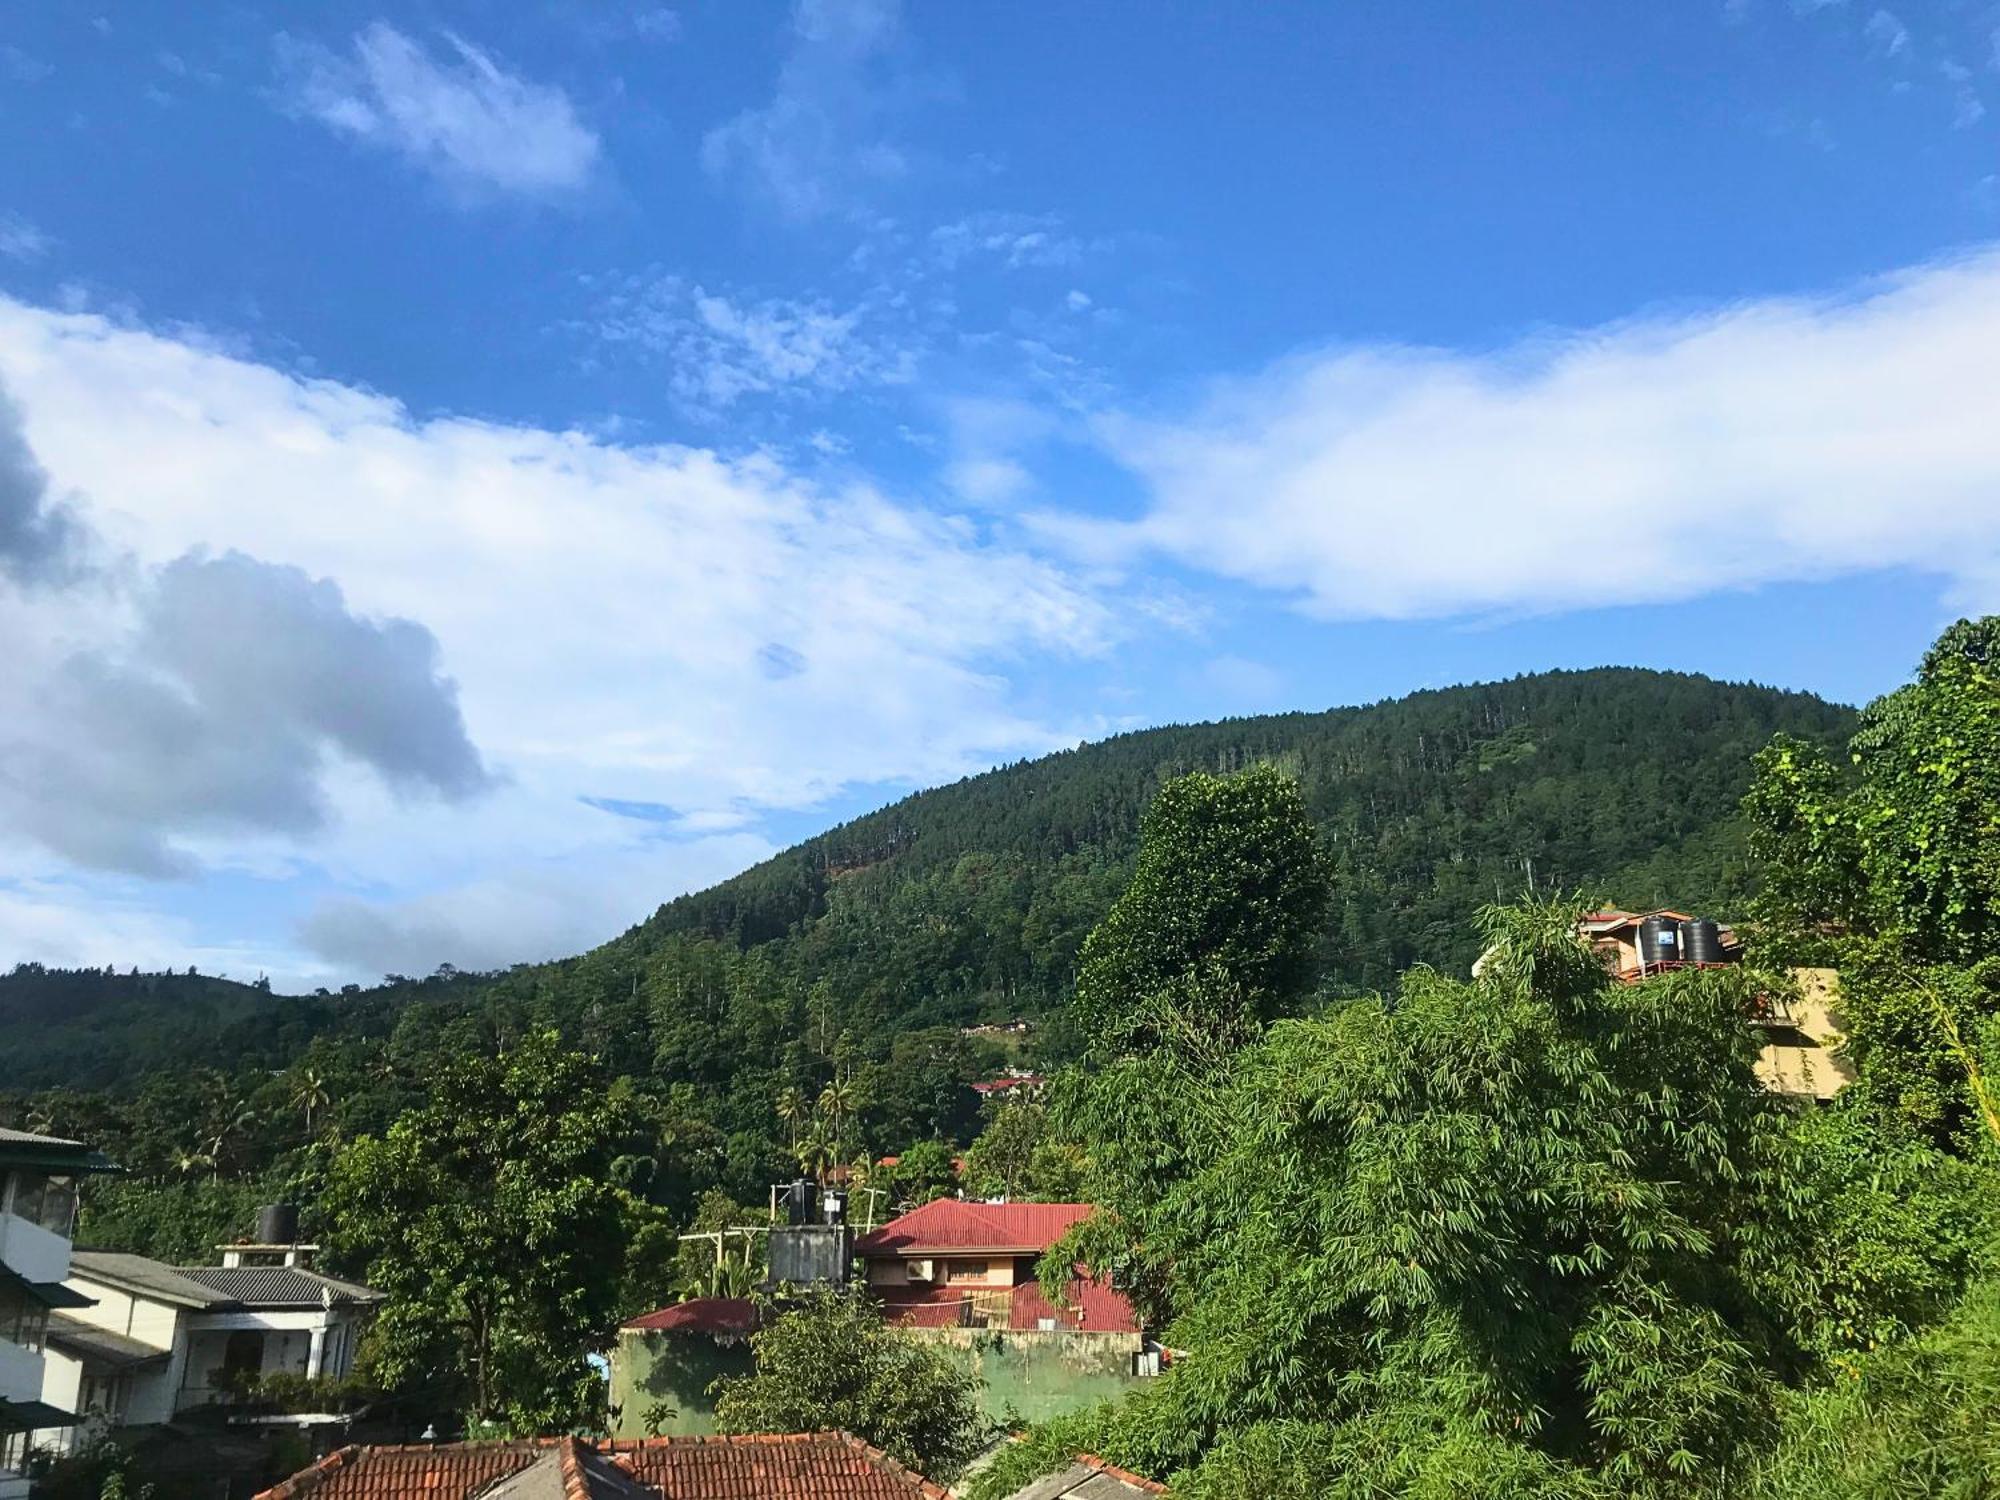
pixel 31 1251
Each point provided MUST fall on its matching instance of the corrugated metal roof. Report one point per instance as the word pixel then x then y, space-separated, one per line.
pixel 951 1225
pixel 29 1138
pixel 215 1287
pixel 278 1286
pixel 712 1315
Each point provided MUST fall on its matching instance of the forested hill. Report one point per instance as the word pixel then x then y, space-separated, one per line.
pixel 970 901
pixel 975 896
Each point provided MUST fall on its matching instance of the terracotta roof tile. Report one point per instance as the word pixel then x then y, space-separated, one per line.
pixel 800 1466
pixel 792 1466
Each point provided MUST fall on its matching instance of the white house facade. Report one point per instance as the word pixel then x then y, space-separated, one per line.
pixel 38 1175
pixel 158 1340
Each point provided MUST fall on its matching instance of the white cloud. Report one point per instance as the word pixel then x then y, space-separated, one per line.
pixel 1657 459
pixel 1017 241
pixel 1887 34
pixel 818 142
pixel 720 348
pixel 20 240
pixel 637 624
pixel 456 113
pixel 526 913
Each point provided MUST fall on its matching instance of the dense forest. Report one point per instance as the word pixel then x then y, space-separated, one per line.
pixel 855 959
pixel 969 901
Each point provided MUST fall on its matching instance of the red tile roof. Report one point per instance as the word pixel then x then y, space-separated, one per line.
pixel 712 1315
pixel 796 1466
pixel 951 1226
pixel 421 1471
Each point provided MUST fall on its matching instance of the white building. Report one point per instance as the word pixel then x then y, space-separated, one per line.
pixel 37 1212
pixel 156 1339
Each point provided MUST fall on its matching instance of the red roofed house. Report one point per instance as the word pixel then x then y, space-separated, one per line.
pixel 963 1275
pixel 952 1264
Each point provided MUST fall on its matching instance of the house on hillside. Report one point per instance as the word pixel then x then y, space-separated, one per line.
pixel 1635 945
pixel 38 1176
pixel 962 1275
pixel 972 1265
pixel 157 1341
pixel 792 1466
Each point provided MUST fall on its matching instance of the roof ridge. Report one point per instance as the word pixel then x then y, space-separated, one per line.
pixel 307 1480
pixel 891 1465
pixel 1105 1466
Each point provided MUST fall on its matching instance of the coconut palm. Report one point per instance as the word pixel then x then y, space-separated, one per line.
pixel 309 1093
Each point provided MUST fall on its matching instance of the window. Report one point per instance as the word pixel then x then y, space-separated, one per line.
pixel 965 1270
pixel 23 1320
pixel 46 1201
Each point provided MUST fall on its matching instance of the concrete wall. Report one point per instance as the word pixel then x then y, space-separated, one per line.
pixel 999 1272
pixel 676 1368
pixel 1032 1376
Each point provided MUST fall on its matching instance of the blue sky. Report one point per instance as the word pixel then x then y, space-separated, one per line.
pixel 470 472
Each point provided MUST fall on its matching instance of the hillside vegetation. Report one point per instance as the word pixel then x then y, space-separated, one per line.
pixel 971 900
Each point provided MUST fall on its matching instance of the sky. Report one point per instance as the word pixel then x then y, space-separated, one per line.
pixel 470 472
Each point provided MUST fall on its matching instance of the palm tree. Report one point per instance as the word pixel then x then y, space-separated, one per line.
pixel 792 1111
pixel 309 1093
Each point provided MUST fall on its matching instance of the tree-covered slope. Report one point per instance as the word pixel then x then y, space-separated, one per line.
pixel 975 896
pixel 971 900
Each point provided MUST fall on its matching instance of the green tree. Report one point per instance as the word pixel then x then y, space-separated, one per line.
pixel 1505 1226
pixel 488 1216
pixel 1892 873
pixel 829 1361
pixel 923 1172
pixel 1215 932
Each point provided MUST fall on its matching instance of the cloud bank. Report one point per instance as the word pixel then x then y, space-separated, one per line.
pixel 204 695
pixel 1652 460
pixel 622 625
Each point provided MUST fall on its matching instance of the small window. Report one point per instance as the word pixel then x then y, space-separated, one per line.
pixel 966 1270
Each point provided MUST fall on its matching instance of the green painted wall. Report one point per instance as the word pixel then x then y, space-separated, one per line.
pixel 1024 1377
pixel 1031 1377
pixel 676 1368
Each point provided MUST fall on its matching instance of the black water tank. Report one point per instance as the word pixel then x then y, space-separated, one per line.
pixel 1660 940
pixel 1703 942
pixel 278 1224
pixel 801 1200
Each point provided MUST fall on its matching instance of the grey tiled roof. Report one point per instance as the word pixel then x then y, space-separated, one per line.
pixel 99 1345
pixel 277 1286
pixel 139 1273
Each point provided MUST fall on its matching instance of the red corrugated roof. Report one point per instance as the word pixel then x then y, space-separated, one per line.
pixel 1094 1306
pixel 928 1307
pixel 952 1226
pixel 701 1315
